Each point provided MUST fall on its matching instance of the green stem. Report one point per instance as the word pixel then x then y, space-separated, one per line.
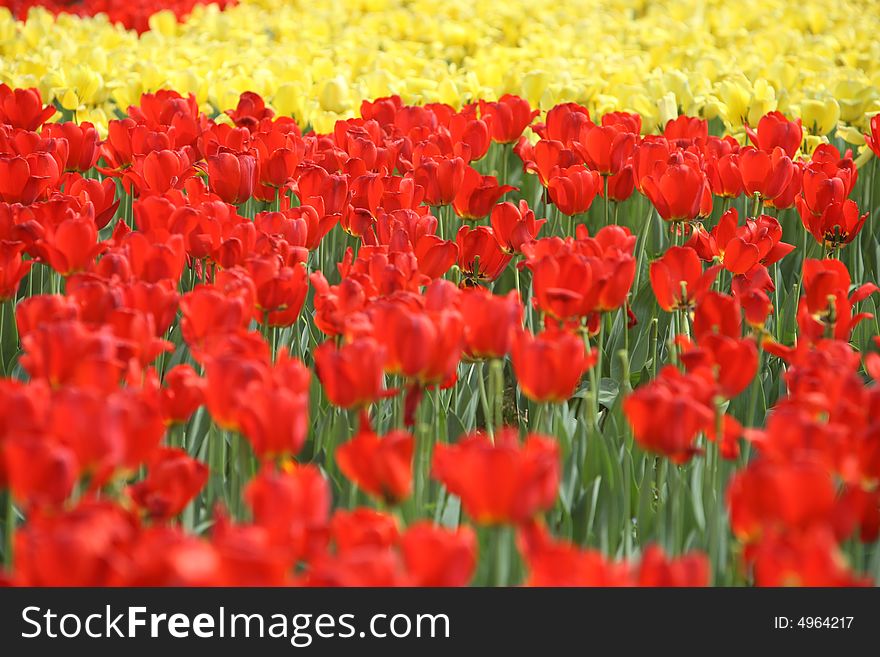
pixel 502 553
pixel 8 531
pixel 484 400
pixel 605 197
pixel 756 208
pixel 5 307
pixel 496 372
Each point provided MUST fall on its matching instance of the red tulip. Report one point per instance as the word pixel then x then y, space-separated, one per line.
pixel 809 558
pixel 363 528
pixel 825 310
pixel 667 414
pixel 656 569
pixel 275 417
pixel 572 190
pixel 790 193
pixel 774 130
pixel 441 178
pixel 477 194
pixel 507 118
pixel 437 556
pixel 32 312
pixel 425 346
pixel 678 279
pixel 739 248
pixel 558 563
pixel 605 148
pixel 382 466
pixel 489 322
pixel 731 362
pixel 872 139
pixel 336 305
pixel 207 311
pixel 545 158
pixel 563 123
pixel 23 108
pixel 101 194
pixel 82 143
pixel 41 470
pixel 327 193
pixel 751 290
pixel 352 374
pixel 515 225
pixel 567 285
pixel 679 192
pixel 159 171
pixel 836 226
pixel 293 508
pixel 73 245
pixel 27 179
pixel 250 111
pixel 765 174
pixel 281 291
pixel 686 130
pixel 479 254
pixel 717 313
pixel 650 157
pixel 500 483
pixel 231 176
pixel 182 394
pixel 724 175
pixel 173 479
pixel 549 366
pixel 469 136
pixel 12 269
pixel 620 185
pixel 77 547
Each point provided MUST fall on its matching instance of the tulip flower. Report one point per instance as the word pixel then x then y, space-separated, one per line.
pixel 351 374
pixel 774 130
pixel 573 189
pixel 605 148
pixel 679 192
pixel 872 139
pixel 678 279
pixel 382 466
pixel 765 174
pixel 563 123
pixel 490 322
pixel 479 254
pixel 441 179
pixel 739 248
pixel 82 143
pixel 500 483
pixel 477 194
pixel 231 176
pixel 507 118
pixel 12 269
pixel 23 108
pixel 515 225
pixel 173 479
pixel 837 225
pixel 667 414
pixel 549 366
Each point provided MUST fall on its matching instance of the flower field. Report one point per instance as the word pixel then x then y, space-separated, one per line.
pixel 386 293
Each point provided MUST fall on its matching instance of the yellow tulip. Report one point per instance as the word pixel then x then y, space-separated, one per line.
pixel 334 95
pixel 319 60
pixel 820 116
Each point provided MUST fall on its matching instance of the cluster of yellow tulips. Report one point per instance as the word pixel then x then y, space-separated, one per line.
pixel 318 61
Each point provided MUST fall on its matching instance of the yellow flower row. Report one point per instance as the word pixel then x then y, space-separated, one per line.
pixel 318 60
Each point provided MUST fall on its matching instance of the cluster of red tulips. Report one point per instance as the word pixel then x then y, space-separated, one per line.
pixel 174 286
pixel 131 15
